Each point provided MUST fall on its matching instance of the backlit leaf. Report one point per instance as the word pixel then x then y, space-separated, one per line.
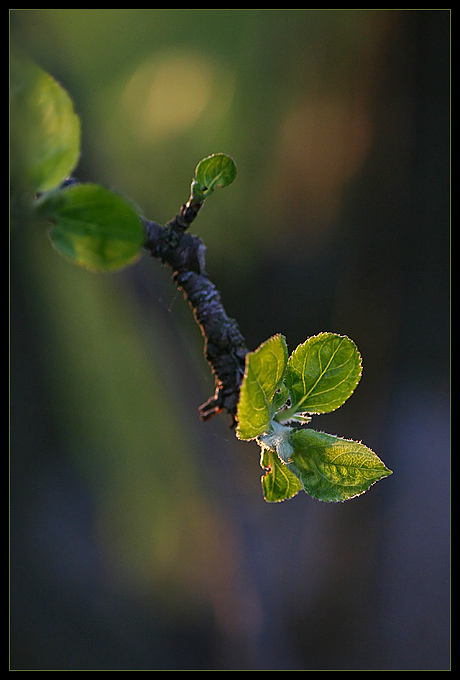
pixel 278 483
pixel 218 170
pixel 93 226
pixel 331 468
pixel 265 368
pixel 44 129
pixel 322 373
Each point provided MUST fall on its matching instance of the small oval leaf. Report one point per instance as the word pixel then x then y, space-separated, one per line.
pixel 278 482
pixel 218 170
pixel 322 373
pixel 93 227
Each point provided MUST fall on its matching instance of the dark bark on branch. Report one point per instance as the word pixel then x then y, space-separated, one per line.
pixel 225 348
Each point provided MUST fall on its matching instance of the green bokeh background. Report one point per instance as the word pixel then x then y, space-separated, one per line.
pixel 139 536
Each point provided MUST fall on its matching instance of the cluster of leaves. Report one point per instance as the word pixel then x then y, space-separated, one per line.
pixel 278 396
pixel 100 230
pixel 91 225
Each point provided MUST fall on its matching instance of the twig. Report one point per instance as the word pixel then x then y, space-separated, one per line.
pixel 225 348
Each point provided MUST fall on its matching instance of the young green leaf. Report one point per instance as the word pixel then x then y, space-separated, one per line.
pixel 93 226
pixel 333 469
pixel 278 483
pixel 264 372
pixel 321 374
pixel 218 170
pixel 44 129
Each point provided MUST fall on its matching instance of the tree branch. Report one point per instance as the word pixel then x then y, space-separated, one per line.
pixel 225 348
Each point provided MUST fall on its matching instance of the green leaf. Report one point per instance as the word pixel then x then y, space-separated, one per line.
pixel 218 170
pixel 333 469
pixel 278 483
pixel 93 226
pixel 264 372
pixel 280 398
pixel 321 374
pixel 44 129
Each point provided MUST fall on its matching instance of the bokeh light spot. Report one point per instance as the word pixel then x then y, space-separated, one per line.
pixel 166 95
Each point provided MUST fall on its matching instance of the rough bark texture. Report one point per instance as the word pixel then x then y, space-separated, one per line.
pixel 225 347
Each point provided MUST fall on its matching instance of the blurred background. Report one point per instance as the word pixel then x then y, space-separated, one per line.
pixel 140 539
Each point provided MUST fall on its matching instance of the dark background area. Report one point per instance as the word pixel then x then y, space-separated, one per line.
pixel 139 537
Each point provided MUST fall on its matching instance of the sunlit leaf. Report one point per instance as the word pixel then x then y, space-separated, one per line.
pixel 44 129
pixel 322 373
pixel 218 170
pixel 93 226
pixel 334 469
pixel 278 483
pixel 264 374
